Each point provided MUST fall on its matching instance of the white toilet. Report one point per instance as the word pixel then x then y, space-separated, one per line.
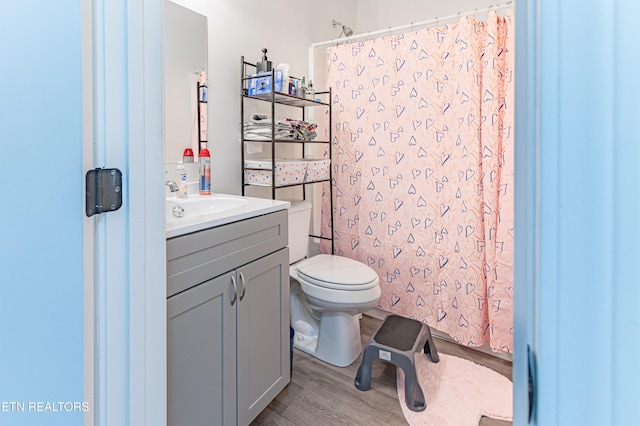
pixel 327 295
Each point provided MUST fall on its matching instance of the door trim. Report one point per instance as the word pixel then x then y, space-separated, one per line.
pixel 89 323
pixel 526 205
pixel 125 283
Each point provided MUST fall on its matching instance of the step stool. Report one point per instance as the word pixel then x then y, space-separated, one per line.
pixel 396 341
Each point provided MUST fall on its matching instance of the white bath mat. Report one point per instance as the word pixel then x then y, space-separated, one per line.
pixel 458 392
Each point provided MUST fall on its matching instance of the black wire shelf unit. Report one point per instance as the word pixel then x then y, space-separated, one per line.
pixel 280 98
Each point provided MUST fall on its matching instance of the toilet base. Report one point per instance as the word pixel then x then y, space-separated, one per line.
pixel 337 342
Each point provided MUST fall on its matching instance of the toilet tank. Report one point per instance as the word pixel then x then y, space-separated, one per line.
pixel 299 220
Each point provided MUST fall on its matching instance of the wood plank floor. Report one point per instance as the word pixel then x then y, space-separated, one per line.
pixel 320 394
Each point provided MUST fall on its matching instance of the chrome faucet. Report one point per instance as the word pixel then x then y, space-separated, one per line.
pixel 173 187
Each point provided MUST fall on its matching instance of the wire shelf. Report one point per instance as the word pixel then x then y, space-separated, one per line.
pixel 285 99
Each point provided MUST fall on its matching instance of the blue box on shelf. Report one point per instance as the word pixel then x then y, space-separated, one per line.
pixel 261 83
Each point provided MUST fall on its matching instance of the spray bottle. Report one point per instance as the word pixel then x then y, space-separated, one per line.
pixel 187 155
pixel 205 172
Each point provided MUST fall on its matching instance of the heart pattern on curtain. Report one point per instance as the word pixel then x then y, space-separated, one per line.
pixel 423 173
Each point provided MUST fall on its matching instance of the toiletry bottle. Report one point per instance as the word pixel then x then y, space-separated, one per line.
pixel 311 94
pixel 205 172
pixel 187 156
pixel 301 89
pixel 285 77
pixel 182 185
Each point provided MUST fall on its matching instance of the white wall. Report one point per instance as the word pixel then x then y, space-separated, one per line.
pixel 244 27
pixel 379 14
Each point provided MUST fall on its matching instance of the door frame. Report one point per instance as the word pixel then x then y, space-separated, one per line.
pixel 140 388
pixel 526 205
pixel 124 251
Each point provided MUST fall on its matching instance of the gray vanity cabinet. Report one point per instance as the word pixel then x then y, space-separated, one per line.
pixel 262 334
pixel 201 355
pixel 227 336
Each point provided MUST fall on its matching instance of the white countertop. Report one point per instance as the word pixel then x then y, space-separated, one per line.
pixel 204 212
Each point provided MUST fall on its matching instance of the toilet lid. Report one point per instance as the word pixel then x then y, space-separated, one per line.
pixel 337 272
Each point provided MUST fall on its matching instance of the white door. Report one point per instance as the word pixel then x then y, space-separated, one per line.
pixel 82 299
pixel 41 213
pixel 577 232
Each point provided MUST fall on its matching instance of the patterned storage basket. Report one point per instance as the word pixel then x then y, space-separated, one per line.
pixel 288 172
pixel 317 170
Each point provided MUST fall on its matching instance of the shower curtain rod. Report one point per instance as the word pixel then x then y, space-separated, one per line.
pixel 412 25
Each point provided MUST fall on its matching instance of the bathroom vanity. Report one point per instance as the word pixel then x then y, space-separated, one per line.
pixel 227 314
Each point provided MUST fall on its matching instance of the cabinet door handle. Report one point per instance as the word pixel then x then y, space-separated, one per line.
pixel 244 286
pixel 235 290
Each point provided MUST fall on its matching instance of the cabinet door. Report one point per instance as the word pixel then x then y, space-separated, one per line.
pixel 263 333
pixel 201 355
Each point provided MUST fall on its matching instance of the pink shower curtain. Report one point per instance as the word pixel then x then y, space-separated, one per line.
pixel 423 168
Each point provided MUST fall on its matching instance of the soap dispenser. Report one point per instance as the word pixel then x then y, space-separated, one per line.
pixel 264 65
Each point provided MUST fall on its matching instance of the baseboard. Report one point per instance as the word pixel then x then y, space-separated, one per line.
pixel 376 313
pixel 380 314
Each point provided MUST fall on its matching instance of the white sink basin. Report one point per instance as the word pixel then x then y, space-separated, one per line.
pixel 185 215
pixel 198 206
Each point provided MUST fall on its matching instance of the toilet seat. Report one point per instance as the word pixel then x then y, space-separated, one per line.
pixel 337 273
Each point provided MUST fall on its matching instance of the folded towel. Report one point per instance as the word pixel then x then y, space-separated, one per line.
pixel 261 127
pixel 263 119
pixel 261 137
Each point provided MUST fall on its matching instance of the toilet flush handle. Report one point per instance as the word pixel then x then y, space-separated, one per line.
pixel 244 286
